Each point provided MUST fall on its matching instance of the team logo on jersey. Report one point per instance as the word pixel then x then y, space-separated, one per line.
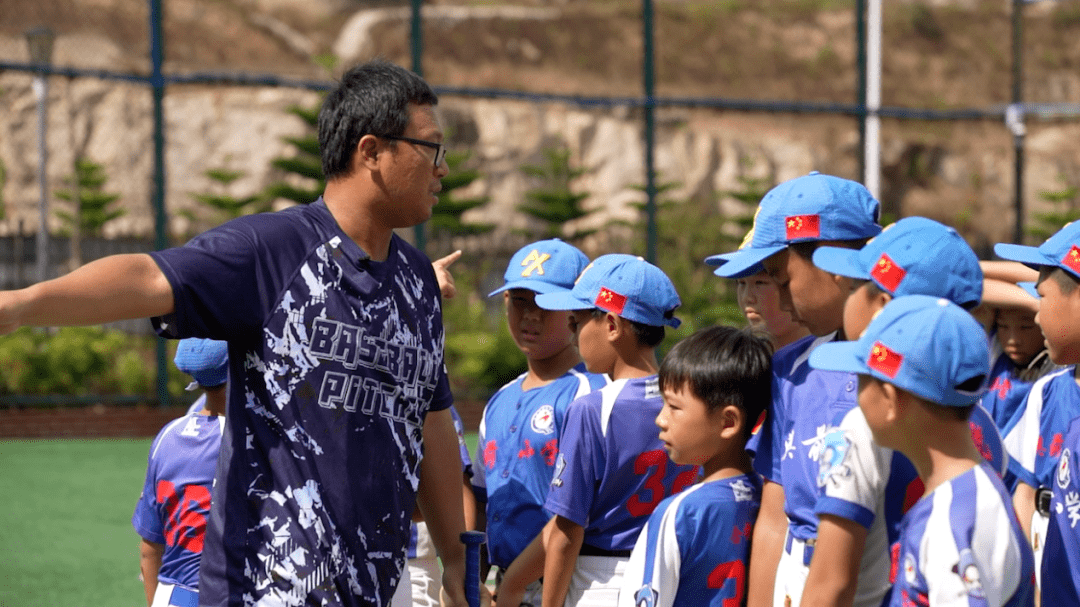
pixel 743 491
pixel 646 597
pixel 543 421
pixel 832 461
pixel 560 467
pixel 969 573
pixel 1063 475
pixel 803 226
pixel 909 568
pixel 888 273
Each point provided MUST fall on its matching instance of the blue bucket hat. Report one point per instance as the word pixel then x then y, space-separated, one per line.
pixel 914 256
pixel 621 284
pixel 926 345
pixel 206 360
pixel 1062 250
pixel 804 209
pixel 544 267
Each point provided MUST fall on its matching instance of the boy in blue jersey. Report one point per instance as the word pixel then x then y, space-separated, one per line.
pixel 520 429
pixel 170 515
pixel 611 470
pixel 922 366
pixel 1036 437
pixel 792 220
pixel 694 549
pixel 863 494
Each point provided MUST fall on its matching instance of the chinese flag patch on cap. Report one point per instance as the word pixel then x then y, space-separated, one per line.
pixel 611 301
pixel 884 359
pixel 803 226
pixel 1072 259
pixel 888 273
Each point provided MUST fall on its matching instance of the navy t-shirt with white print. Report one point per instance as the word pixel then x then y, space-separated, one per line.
pixel 335 360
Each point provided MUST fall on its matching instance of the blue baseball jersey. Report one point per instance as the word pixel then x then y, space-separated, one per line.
pixel 334 361
pixel 466 467
pixel 1007 391
pixel 962 545
pixel 515 456
pixel 862 481
pixel 1036 434
pixel 762 434
pixel 1061 555
pixel 612 470
pixel 175 500
pixel 695 547
pixel 805 404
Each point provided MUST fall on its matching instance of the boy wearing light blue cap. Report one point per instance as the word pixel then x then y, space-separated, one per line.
pixel 872 486
pixel 612 469
pixel 1040 437
pixel 792 221
pixel 922 366
pixel 522 423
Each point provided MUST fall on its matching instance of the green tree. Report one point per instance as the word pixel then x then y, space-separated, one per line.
pixel 228 206
pixel 86 192
pixel 554 202
pixel 304 181
pixel 1065 208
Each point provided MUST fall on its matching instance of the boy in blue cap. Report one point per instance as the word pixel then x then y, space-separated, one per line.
pixel 793 219
pixel 922 366
pixel 170 515
pixel 522 422
pixel 871 485
pixel 1037 437
pixel 612 469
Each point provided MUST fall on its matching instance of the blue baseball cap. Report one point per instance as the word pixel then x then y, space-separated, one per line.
pixel 206 360
pixel 621 284
pixel 1062 250
pixel 926 345
pixel 914 256
pixel 723 258
pixel 805 209
pixel 544 267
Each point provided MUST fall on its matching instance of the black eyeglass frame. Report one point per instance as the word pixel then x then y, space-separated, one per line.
pixel 440 149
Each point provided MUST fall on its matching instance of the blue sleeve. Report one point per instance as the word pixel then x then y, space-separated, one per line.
pixel 770 438
pixel 147 519
pixel 577 469
pixel 466 461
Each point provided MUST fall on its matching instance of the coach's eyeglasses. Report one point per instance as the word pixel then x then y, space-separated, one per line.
pixel 440 149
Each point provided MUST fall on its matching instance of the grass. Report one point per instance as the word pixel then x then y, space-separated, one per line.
pixel 66 521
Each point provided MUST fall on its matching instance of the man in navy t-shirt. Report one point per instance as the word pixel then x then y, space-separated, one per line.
pixel 338 419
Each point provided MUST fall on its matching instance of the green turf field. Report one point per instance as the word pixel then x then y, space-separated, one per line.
pixel 65 523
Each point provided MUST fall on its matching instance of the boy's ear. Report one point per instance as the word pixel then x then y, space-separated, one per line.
pixel 732 421
pixel 616 326
pixel 898 402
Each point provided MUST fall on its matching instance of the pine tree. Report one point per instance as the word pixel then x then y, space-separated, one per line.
pixel 86 192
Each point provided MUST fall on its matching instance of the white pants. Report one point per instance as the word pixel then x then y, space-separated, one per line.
pixel 422 579
pixel 791 574
pixel 596 581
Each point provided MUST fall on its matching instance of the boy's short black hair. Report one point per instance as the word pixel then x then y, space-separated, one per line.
pixel 1065 281
pixel 722 366
pixel 649 336
pixel 806 248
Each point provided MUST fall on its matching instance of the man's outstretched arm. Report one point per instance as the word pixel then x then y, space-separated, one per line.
pixel 117 287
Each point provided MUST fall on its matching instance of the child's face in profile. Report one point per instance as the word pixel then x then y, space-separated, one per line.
pixel 591 341
pixel 860 308
pixel 689 431
pixel 539 333
pixel 1019 335
pixel 759 300
pixel 814 297
pixel 1058 317
pixel 875 405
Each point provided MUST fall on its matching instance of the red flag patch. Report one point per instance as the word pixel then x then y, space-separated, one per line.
pixel 803 226
pixel 610 301
pixel 888 273
pixel 884 359
pixel 1072 259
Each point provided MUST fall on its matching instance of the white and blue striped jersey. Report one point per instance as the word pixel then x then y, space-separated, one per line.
pixel 1036 434
pixel 515 457
pixel 612 469
pixel 694 550
pixel 962 545
pixel 1061 556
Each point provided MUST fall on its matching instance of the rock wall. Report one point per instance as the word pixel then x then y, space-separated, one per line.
pixel 959 173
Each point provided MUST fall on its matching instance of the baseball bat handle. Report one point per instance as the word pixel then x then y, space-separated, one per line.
pixel 472 541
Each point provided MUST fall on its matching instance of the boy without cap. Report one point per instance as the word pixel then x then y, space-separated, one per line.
pixel 612 470
pixel 793 219
pixel 865 490
pixel 922 366
pixel 520 430
pixel 1043 437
